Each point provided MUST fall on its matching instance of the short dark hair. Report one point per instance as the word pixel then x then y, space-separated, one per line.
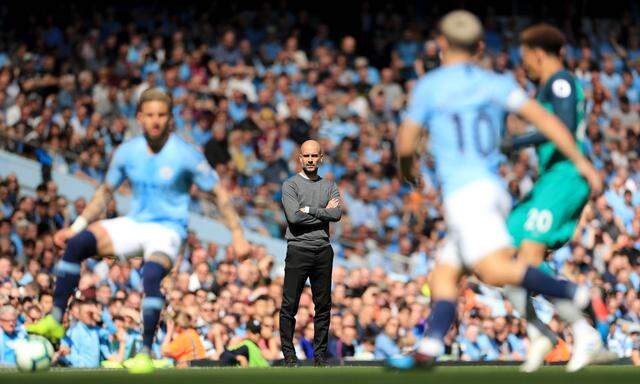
pixel 544 36
pixel 254 326
pixel 87 301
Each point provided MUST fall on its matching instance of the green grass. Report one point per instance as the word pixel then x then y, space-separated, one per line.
pixel 349 375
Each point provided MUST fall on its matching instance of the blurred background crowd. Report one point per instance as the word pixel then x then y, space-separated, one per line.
pixel 249 85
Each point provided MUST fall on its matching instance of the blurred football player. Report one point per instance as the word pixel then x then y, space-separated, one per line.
pixel 161 167
pixel 547 217
pixel 464 108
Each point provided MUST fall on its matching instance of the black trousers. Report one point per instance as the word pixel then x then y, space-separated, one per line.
pixel 316 265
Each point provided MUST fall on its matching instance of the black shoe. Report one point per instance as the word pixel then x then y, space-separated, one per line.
pixel 290 362
pixel 410 362
pixel 424 361
pixel 320 362
pixel 590 311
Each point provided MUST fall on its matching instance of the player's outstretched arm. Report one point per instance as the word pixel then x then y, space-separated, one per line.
pixel 98 203
pixel 93 210
pixel 232 221
pixel 556 131
pixel 406 145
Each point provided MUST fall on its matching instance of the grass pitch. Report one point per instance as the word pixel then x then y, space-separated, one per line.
pixel 337 375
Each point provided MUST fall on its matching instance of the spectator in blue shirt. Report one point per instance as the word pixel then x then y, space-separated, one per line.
pixel 386 342
pixel 238 106
pixel 226 52
pixel 127 340
pixel 306 341
pixel 6 208
pixel 10 333
pixel 201 131
pixel 271 46
pixel 475 345
pixel 609 77
pixel 85 345
pixel 405 53
pixel 517 346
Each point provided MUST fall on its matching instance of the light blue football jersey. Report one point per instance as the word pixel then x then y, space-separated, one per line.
pixel 161 181
pixel 464 108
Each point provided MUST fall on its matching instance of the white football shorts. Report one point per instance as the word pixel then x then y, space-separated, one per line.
pixel 131 238
pixel 475 216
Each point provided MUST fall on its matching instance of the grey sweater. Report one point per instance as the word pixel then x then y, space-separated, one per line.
pixel 309 230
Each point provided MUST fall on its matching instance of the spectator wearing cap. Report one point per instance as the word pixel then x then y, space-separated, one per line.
pixel 10 333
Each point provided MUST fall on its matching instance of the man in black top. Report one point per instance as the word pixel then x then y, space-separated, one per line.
pixel 310 203
pixel 216 150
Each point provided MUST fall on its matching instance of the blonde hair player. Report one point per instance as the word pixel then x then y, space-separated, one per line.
pixel 161 167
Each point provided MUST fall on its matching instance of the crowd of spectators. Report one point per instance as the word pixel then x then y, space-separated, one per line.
pixel 248 92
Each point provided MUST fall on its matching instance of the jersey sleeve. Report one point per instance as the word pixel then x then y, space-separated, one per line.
pixel 116 172
pixel 204 176
pixel 508 94
pixel 419 109
pixel 562 98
